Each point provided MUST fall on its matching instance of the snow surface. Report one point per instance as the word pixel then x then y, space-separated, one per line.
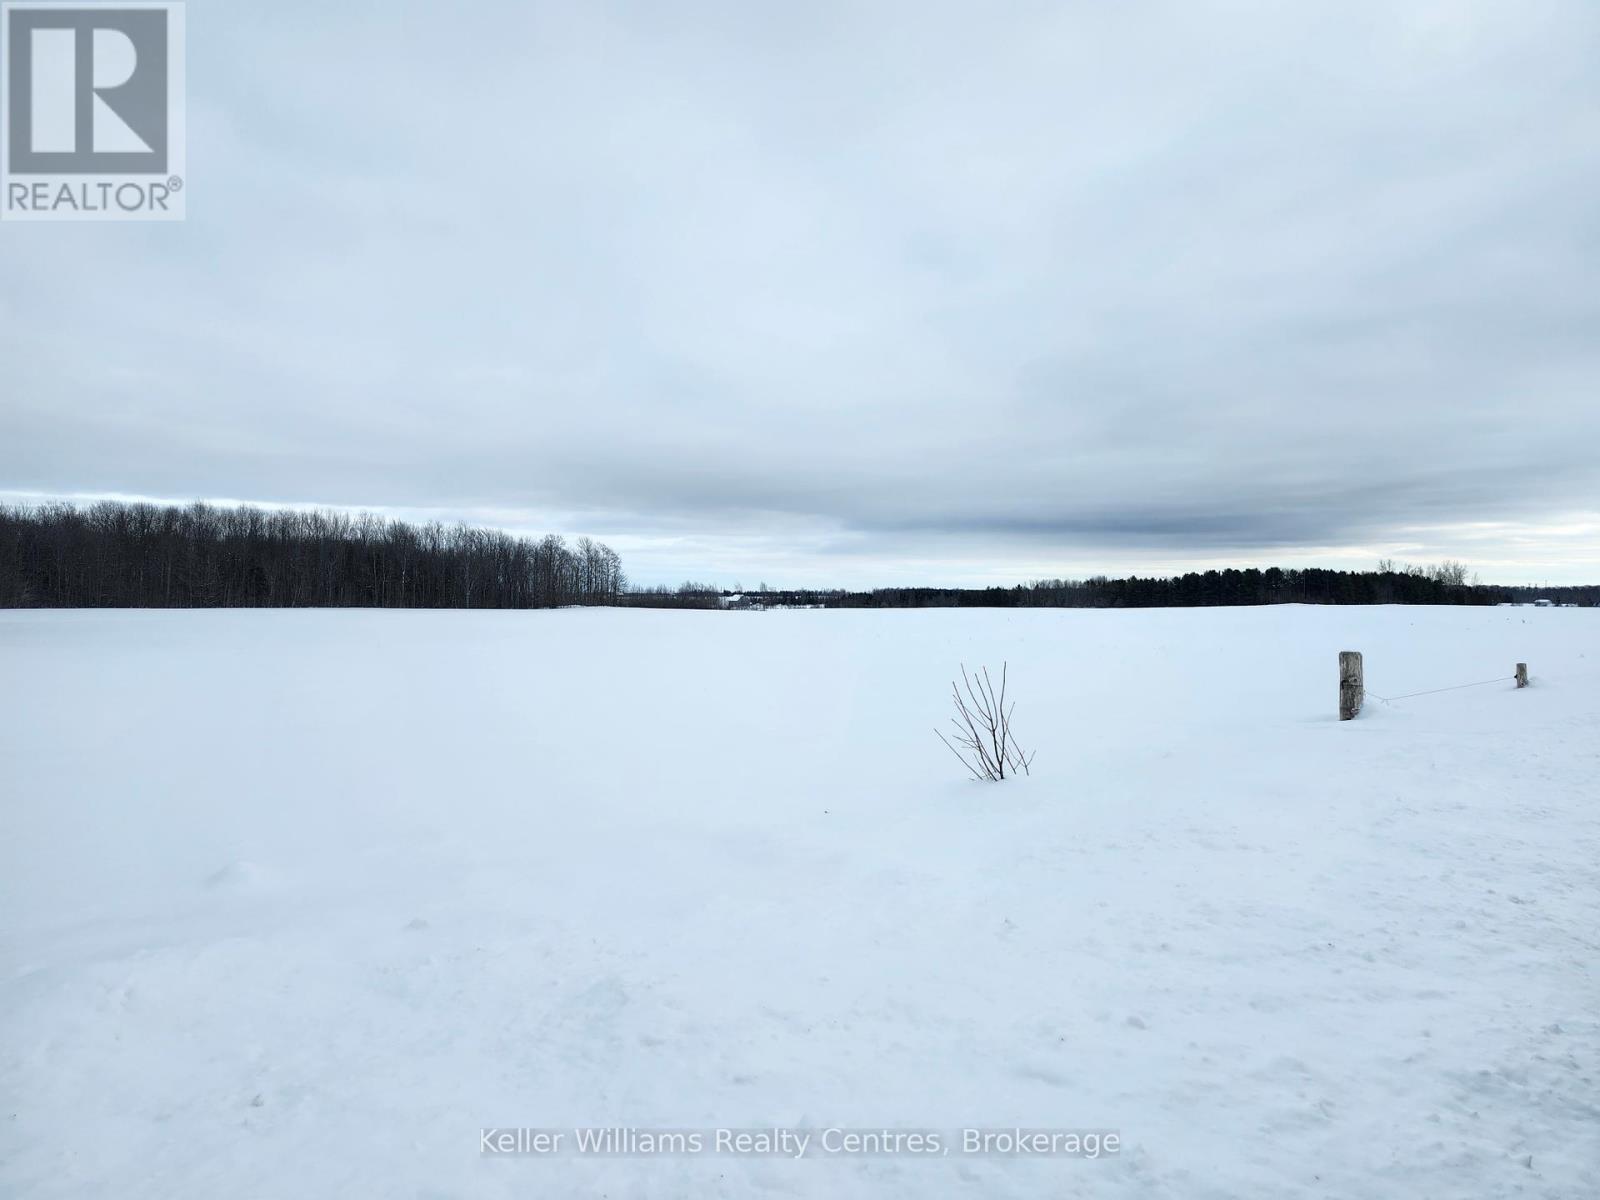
pixel 296 903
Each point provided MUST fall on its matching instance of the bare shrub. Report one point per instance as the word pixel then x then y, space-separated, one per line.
pixel 982 739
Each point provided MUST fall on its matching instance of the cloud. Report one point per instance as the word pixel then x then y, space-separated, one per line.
pixel 889 291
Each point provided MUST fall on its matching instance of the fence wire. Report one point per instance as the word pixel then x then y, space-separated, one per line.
pixel 1435 691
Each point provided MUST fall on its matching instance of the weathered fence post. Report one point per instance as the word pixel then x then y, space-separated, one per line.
pixel 1352 686
pixel 1522 675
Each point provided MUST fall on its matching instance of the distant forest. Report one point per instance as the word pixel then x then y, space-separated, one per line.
pixel 110 555
pixel 1447 583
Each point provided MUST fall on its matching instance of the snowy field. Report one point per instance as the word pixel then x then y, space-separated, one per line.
pixel 297 903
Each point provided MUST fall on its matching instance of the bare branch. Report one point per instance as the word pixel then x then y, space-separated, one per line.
pixel 982 726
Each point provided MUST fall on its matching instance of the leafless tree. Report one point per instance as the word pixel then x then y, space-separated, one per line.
pixel 1450 572
pixel 982 728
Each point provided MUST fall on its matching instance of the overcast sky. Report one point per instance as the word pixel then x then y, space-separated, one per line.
pixel 859 292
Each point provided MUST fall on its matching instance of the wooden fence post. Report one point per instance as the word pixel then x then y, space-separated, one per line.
pixel 1352 685
pixel 1522 675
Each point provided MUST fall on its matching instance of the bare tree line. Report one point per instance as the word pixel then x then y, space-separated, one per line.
pixel 110 555
pixel 685 595
pixel 1445 583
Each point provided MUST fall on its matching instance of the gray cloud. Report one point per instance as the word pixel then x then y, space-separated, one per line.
pixel 868 292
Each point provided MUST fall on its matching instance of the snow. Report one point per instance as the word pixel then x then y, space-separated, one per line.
pixel 297 903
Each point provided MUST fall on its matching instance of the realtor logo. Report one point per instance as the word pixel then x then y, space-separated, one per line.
pixel 91 111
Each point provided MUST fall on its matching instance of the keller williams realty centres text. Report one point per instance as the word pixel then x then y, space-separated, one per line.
pixel 801 1143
